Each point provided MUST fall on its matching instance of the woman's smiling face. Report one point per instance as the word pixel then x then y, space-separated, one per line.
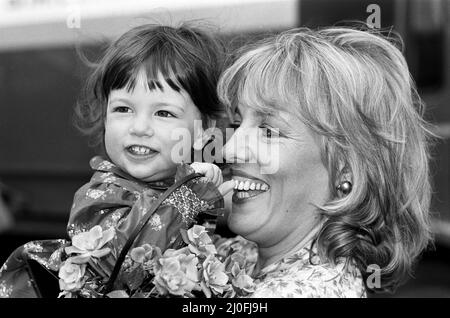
pixel 275 190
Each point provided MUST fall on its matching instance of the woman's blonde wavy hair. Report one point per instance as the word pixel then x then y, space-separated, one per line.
pixel 352 88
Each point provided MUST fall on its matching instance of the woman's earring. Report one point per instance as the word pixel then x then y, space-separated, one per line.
pixel 345 187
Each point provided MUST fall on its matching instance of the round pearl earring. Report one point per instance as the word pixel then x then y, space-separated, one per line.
pixel 345 187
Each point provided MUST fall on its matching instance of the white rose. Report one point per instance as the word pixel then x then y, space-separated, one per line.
pixel 71 276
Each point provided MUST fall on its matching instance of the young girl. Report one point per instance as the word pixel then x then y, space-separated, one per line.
pixel 153 81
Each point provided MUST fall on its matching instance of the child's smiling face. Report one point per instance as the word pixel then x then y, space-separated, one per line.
pixel 139 125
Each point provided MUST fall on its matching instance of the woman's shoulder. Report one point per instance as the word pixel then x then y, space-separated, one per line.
pixel 302 275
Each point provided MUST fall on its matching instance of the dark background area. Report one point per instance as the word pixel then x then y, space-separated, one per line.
pixel 44 160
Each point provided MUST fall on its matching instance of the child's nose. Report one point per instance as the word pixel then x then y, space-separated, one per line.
pixel 141 126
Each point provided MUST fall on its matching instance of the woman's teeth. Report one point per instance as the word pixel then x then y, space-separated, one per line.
pixel 243 195
pixel 139 150
pixel 244 189
pixel 246 185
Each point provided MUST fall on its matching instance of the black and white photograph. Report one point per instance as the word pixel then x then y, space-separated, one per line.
pixel 218 154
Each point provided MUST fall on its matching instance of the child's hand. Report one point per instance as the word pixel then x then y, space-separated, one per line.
pixel 210 171
pixel 214 175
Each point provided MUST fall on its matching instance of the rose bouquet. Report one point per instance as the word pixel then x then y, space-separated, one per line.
pixel 205 266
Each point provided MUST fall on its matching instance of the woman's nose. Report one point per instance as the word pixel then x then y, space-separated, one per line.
pixel 238 148
pixel 141 126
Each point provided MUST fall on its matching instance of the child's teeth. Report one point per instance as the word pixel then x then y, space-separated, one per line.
pixel 258 186
pixel 241 186
pixel 140 150
pixel 252 186
pixel 246 185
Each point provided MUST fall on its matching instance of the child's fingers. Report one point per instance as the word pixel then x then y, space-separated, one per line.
pixel 226 187
pixel 203 168
pixel 217 178
pixel 200 168
pixel 210 171
pixel 220 179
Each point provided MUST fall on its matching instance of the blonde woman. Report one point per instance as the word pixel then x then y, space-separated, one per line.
pixel 347 207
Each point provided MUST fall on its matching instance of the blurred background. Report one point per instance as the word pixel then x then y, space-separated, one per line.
pixel 44 160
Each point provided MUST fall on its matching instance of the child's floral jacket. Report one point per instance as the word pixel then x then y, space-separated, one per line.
pixel 104 213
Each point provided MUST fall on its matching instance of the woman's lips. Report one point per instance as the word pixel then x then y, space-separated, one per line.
pixel 246 187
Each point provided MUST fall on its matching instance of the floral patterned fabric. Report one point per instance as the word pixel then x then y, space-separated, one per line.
pixel 114 200
pixel 300 275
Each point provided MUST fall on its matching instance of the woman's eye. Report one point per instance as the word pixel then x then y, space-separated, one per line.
pixel 122 109
pixel 269 132
pixel 164 113
pixel 236 119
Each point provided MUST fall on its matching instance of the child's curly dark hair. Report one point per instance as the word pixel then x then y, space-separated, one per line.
pixel 188 58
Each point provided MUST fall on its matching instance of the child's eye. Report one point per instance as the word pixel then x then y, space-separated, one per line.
pixel 122 109
pixel 164 113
